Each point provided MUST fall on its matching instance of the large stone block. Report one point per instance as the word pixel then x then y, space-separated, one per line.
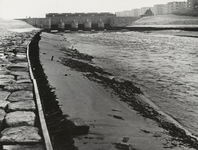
pixel 80 127
pixel 19 58
pixel 10 77
pixel 19 73
pixel 24 147
pixel 20 96
pixel 24 81
pixel 22 77
pixel 18 135
pixel 4 82
pixel 21 106
pixel 20 118
pixel 18 67
pixel 18 86
pixel 4 71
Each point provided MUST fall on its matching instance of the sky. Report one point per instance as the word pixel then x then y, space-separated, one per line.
pixel 10 9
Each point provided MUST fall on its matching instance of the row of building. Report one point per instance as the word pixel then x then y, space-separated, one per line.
pixel 162 9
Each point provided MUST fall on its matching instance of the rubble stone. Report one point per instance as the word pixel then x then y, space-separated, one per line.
pixel 17 87
pixel 4 82
pixel 18 59
pixel 20 96
pixel 19 73
pixel 20 135
pixel 10 77
pixel 80 127
pixel 18 67
pixel 24 81
pixel 22 77
pixel 21 106
pixel 20 118
pixel 24 147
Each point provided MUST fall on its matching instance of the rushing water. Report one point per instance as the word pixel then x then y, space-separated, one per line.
pixel 164 67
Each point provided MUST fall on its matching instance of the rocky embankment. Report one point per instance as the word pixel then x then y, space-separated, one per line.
pixel 19 124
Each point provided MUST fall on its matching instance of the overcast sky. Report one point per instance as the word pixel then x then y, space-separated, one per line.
pixel 38 8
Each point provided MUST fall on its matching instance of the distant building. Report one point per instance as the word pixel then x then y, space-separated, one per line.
pixel 172 7
pixel 161 9
pixel 135 12
pixel 158 9
pixel 129 13
pixel 192 4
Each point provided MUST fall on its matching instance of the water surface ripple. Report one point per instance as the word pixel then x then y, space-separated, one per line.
pixel 165 67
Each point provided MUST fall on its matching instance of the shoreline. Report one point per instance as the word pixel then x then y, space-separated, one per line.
pixel 78 61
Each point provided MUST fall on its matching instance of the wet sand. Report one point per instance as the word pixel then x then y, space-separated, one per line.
pixel 114 124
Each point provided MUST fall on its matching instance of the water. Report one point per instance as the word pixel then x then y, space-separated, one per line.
pixel 165 67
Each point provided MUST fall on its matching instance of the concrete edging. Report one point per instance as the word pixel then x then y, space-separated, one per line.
pixel 43 124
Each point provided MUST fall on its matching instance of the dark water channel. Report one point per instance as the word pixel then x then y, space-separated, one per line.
pixel 165 67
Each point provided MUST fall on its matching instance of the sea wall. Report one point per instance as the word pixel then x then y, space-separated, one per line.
pixel 66 22
pixel 19 119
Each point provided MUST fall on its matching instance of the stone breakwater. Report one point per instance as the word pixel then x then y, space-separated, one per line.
pixel 19 124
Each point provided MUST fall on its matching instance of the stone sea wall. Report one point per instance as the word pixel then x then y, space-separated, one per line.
pixel 19 124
